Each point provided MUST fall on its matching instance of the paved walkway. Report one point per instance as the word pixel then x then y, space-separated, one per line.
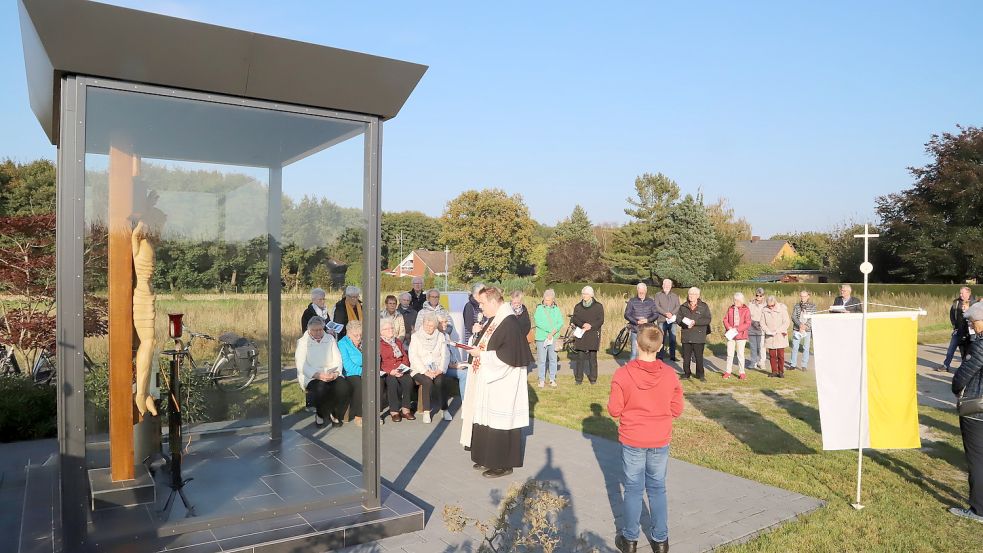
pixel 707 508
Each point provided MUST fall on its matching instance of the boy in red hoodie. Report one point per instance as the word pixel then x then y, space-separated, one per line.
pixel 646 396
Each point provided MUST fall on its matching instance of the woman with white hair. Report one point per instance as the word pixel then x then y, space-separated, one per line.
pixel 694 319
pixel 318 307
pixel 351 360
pixel 549 323
pixel 319 372
pixel 737 322
pixel 428 362
pixel 348 308
pixel 588 317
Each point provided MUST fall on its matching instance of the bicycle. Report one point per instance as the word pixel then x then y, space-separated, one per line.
pixel 8 362
pixel 567 339
pixel 236 364
pixel 621 341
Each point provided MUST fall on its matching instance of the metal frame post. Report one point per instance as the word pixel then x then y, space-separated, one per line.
pixel 371 207
pixel 69 245
pixel 274 289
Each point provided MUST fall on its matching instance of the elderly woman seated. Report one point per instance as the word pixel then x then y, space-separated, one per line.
pixel 428 362
pixel 351 361
pixel 318 308
pixel 348 308
pixel 399 384
pixel 319 371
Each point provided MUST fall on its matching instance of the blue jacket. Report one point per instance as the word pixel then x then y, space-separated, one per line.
pixel 640 309
pixel 351 357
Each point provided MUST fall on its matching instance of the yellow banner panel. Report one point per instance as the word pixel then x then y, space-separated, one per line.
pixel 892 395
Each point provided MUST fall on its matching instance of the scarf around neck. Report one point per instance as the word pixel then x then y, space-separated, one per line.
pixel 354 314
pixel 397 353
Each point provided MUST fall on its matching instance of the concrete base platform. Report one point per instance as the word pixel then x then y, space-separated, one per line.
pixel 248 494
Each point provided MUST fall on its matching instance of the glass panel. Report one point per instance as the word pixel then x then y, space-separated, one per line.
pixel 178 221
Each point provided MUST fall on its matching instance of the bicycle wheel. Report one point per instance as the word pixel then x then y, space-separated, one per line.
pixel 621 341
pixel 227 376
pixel 567 339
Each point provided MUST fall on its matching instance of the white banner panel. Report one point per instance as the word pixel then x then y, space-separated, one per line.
pixel 837 344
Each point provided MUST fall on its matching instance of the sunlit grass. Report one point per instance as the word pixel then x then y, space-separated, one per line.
pixel 767 430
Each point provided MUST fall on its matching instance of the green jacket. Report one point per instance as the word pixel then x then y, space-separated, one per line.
pixel 548 319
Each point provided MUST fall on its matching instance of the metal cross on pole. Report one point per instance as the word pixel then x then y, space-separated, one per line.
pixel 866 268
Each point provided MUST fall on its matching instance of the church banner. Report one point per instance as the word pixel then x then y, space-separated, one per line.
pixel 887 416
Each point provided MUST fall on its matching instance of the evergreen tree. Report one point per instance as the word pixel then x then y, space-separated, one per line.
pixel 634 247
pixel 691 244
pixel 575 227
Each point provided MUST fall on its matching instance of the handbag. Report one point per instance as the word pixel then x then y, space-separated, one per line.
pixel 970 406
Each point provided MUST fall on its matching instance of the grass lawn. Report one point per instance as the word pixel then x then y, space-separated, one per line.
pixel 767 430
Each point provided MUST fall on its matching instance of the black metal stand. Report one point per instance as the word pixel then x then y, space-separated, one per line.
pixel 174 434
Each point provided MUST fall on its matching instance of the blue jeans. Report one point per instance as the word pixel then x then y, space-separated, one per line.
pixel 634 345
pixel 645 470
pixel 668 339
pixel 546 354
pixel 951 351
pixel 805 338
pixel 754 340
pixel 462 379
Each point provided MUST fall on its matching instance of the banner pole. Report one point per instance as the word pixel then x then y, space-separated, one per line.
pixel 866 268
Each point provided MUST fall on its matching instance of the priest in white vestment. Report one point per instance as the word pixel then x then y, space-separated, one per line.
pixel 496 406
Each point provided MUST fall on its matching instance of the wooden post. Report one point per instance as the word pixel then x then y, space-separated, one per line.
pixel 121 170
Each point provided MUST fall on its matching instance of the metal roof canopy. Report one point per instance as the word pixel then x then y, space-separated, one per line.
pixel 88 38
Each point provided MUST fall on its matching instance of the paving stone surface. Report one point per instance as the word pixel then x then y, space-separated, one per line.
pixel 707 508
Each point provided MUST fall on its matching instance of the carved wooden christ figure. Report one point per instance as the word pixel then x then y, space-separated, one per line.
pixel 144 238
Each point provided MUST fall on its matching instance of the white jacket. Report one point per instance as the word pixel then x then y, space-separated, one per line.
pixel 314 357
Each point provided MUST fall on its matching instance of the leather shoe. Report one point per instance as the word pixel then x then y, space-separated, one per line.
pixel 495 473
pixel 476 466
pixel 409 416
pixel 661 546
pixel 625 545
pixel 396 417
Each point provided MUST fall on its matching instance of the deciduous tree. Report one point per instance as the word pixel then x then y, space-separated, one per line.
pixel 934 229
pixel 489 232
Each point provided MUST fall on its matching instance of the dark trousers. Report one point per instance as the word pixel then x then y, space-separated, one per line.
pixel 331 399
pixel 776 357
pixel 431 387
pixel 668 340
pixel 584 362
pixel 356 406
pixel 399 389
pixel 693 352
pixel 972 431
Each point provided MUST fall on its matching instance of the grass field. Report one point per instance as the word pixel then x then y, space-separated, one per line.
pixel 768 431
pixel 247 315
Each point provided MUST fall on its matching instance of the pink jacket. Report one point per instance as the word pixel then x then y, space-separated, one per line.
pixel 745 321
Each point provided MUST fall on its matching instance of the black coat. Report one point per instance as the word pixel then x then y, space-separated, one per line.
pixel 701 318
pixel 956 318
pixel 306 317
pixel 341 316
pixel 416 300
pixel 525 323
pixel 853 305
pixel 968 377
pixel 594 316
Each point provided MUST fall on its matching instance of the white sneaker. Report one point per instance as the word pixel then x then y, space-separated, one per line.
pixel 426 417
pixel 318 420
pixel 542 384
pixel 447 415
pixel 552 384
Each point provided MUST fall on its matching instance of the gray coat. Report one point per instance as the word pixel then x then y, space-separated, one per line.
pixel 666 303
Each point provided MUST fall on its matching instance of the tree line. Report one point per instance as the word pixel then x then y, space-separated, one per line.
pixel 929 232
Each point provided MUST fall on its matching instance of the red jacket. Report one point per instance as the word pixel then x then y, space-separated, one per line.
pixel 646 396
pixel 745 324
pixel 389 361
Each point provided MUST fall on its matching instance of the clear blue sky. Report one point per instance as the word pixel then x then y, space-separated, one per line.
pixel 800 114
